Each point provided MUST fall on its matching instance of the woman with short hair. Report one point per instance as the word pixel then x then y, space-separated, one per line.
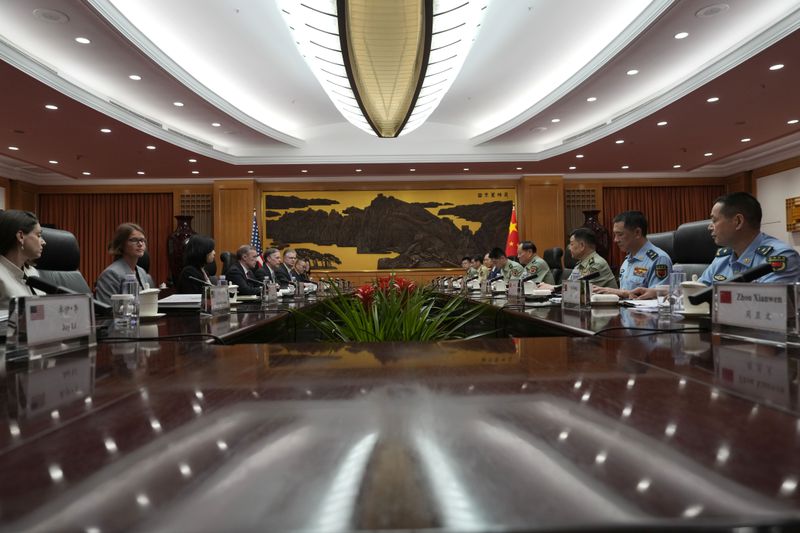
pixel 21 244
pixel 127 247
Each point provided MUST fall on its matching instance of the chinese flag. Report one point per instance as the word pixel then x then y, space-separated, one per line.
pixel 512 242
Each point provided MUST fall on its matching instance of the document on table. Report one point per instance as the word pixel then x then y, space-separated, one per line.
pixel 642 305
pixel 181 300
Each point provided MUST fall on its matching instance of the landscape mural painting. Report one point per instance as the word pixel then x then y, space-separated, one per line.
pixel 368 230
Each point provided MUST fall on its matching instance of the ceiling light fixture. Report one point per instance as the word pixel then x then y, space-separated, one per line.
pixel 556 120
pixel 746 140
pixel 579 156
pixel 625 167
pixel 713 99
pixel 135 77
pixel 105 130
pixel 195 172
pixel 519 168
pixel 193 161
pixel 177 104
pixel 53 162
pixel 250 171
pixel 86 173
pixel 572 168
pixel 619 141
pixel 793 121
pixel 151 147
pixel 777 66
pixel 682 35
pixel 591 99
pixel 358 170
pixel 662 123
pixel 676 166
pixel 14 148
pixel 385 65
pixel 708 154
pixel 466 169
pixel 632 72
pixel 304 171
pixel 140 172
pixel 216 124
pixel 412 169
pixel 82 40
pixel 51 107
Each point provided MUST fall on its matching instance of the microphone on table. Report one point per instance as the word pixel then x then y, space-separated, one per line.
pixel 36 282
pixel 590 276
pixel 204 282
pixel 747 276
pixel 528 277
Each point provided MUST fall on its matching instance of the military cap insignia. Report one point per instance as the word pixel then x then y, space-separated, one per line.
pixel 661 271
pixel 722 252
pixel 720 277
pixel 652 254
pixel 764 250
pixel 778 262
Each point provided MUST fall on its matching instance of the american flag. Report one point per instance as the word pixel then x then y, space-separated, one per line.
pixel 255 239
pixel 37 312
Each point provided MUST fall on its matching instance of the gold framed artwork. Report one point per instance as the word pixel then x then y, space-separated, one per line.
pixel 391 229
pixel 793 214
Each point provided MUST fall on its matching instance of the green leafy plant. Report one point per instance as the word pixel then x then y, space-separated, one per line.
pixel 394 309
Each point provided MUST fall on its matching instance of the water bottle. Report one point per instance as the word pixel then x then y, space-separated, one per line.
pixel 131 286
pixel 221 281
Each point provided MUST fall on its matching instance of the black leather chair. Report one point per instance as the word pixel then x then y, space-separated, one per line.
pixel 227 259
pixel 664 240
pixel 694 248
pixel 60 261
pixel 553 257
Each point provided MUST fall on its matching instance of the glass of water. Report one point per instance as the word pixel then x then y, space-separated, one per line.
pixel 662 299
pixel 676 291
pixel 122 309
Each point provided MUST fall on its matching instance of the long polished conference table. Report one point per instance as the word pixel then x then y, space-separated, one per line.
pixel 578 422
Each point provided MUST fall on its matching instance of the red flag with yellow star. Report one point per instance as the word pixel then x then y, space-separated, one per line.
pixel 512 242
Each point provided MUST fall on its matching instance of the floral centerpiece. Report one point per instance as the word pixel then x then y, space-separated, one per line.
pixel 392 308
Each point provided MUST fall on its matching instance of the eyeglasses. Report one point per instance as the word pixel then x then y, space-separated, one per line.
pixel 137 241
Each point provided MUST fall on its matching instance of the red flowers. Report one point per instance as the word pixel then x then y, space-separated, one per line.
pixel 386 284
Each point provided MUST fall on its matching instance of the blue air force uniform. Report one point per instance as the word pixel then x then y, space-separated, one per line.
pixel 764 249
pixel 650 266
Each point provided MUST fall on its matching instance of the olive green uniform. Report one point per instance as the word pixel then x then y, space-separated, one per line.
pixel 512 269
pixel 541 269
pixel 595 263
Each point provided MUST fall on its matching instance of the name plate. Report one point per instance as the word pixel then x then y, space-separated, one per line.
pixel 216 300
pixel 514 288
pixel 571 293
pixel 762 306
pixel 57 318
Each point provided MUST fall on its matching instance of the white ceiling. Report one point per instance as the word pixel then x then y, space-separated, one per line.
pixel 233 62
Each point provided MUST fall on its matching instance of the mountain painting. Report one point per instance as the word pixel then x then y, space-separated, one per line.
pixel 368 230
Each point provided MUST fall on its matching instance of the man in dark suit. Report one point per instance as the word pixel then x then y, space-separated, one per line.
pixel 285 271
pixel 241 272
pixel 272 260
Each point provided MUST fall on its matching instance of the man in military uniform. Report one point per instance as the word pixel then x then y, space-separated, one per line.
pixel 534 265
pixel 582 246
pixel 645 264
pixel 736 227
pixel 508 268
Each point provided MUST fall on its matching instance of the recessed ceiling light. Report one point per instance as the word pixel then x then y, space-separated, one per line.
pixel 712 10
pixel 708 154
pixel 466 169
pixel 216 124
pixel 140 172
pixel 412 169
pixel 619 141
pixel 250 171
pixel 632 72
pixel 682 35
pixel 556 120
pixel 579 156
pixel 151 147
pixel 135 77
pixel 358 170
pixel 304 171
pixel 676 166
pixel 177 104
pixel 746 140
pixel 15 148
pixel 51 107
pixel 776 67
pixel 86 173
pixel 713 99
pixel 662 123
pixel 572 168
pixel 519 168
pixel 105 130
pixel 195 172
pixel 193 161
pixel 82 40
pixel 625 167
pixel 793 121
pixel 53 162
pixel 591 99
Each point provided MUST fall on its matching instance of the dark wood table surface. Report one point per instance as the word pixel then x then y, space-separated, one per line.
pixel 665 430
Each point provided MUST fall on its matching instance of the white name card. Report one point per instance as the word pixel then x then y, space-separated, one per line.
pixel 514 288
pixel 571 293
pixel 752 305
pixel 216 300
pixel 57 318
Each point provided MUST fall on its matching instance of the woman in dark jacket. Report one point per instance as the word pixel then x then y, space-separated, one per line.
pixel 198 253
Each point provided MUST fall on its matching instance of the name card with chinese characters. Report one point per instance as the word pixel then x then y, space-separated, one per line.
pixel 215 301
pixel 42 325
pixel 761 306
pixel 571 293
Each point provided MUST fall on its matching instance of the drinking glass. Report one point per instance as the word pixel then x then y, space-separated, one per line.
pixel 662 299
pixel 122 309
pixel 676 291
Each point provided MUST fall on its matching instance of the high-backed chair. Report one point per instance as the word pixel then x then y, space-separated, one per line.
pixel 227 259
pixel 553 257
pixel 60 260
pixel 664 240
pixel 694 248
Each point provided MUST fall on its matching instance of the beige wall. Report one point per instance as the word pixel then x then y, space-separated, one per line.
pixel 773 190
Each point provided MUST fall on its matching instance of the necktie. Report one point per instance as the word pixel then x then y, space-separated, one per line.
pixel 248 274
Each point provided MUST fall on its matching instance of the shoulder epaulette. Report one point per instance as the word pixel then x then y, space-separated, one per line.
pixel 722 252
pixel 652 254
pixel 764 250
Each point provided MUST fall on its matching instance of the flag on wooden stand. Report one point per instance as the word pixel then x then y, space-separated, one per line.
pixel 512 242
pixel 255 239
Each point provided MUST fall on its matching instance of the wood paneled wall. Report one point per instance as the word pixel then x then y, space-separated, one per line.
pixel 540 211
pixel 93 218
pixel 234 201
